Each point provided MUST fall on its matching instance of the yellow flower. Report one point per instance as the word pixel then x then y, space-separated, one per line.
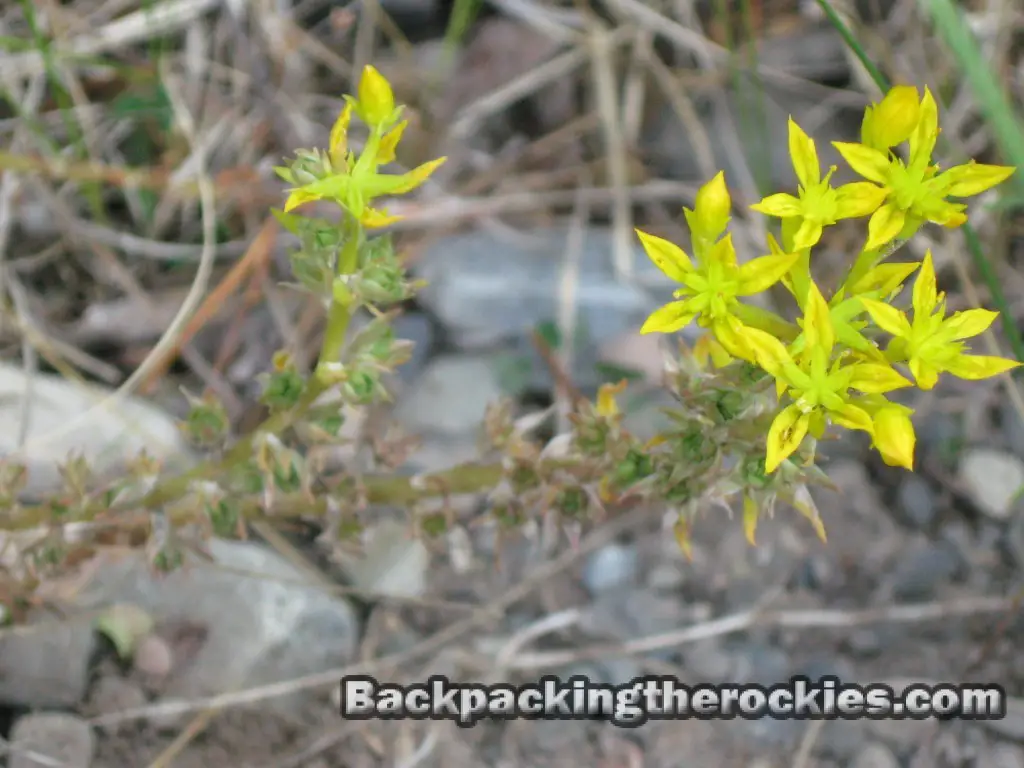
pixel 376 103
pixel 819 382
pixel 606 404
pixel 894 436
pixel 712 286
pixel 931 343
pixel 915 191
pixel 893 120
pixel 817 205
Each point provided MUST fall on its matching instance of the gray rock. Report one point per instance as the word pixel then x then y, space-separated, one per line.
pixel 993 480
pixel 842 739
pixel 417 328
pixel 917 500
pixel 1012 726
pixel 450 396
pixel 923 569
pixel 875 756
pixel 611 567
pixel 61 738
pixel 115 694
pixel 63 419
pixel 259 618
pixel 708 661
pixel 46 664
pixel 1001 756
pixel 761 664
pixel 486 288
pixel 673 152
pixel 940 436
pixel 394 563
pixel 811 52
pixel 1013 428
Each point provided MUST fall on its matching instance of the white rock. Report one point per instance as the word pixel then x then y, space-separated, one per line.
pixel 51 738
pixel 450 396
pixel 63 419
pixel 395 563
pixel 993 479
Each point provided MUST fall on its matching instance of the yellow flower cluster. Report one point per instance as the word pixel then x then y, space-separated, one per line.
pixel 830 366
pixel 354 182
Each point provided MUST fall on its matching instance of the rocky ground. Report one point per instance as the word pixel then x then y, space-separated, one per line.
pixel 236 659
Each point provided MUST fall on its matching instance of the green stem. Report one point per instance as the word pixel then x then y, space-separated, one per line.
pixel 339 315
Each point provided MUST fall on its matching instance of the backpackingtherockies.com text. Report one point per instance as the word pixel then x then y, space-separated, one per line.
pixel 662 698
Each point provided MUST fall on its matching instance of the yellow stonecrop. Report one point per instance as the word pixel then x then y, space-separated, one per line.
pixel 823 380
pixel 713 282
pixel 931 343
pixel 817 205
pixel 829 368
pixel 914 191
pixel 355 182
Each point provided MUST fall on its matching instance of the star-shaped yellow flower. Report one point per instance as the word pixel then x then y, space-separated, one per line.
pixel 932 343
pixel 817 205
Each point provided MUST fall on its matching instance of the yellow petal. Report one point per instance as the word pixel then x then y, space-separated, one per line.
pixel 804 156
pixel 750 515
pixel 896 117
pixel 339 134
pixel 885 278
pixel 681 530
pixel 386 150
pixel 373 218
pixel 887 317
pixel 769 352
pixel 975 367
pixel 818 330
pixel 885 224
pixel 785 435
pixel 868 162
pixel 731 334
pixel 851 417
pixel 894 437
pixel 418 175
pixel 376 100
pixel 808 235
pixel 971 322
pixel 858 199
pixel 780 205
pixel 924 136
pixel 875 379
pixel 712 207
pixel 763 272
pixel 668 257
pixel 926 375
pixel 299 197
pixel 668 319
pixel 974 178
pixel 606 404
pixel 925 291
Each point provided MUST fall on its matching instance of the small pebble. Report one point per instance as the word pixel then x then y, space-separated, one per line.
pixel 65 739
pixel 611 567
pixel 114 694
pixel 153 657
pixel 993 480
pixel 875 756
pixel 917 500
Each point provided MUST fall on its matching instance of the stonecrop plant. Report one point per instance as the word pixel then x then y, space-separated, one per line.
pixel 835 365
pixel 754 395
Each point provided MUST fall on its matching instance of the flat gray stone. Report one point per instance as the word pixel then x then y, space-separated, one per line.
pixel 260 619
pixel 63 419
pixel 64 739
pixel 46 663
pixel 486 288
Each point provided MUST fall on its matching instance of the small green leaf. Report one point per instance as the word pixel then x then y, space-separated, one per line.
pixel 124 624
